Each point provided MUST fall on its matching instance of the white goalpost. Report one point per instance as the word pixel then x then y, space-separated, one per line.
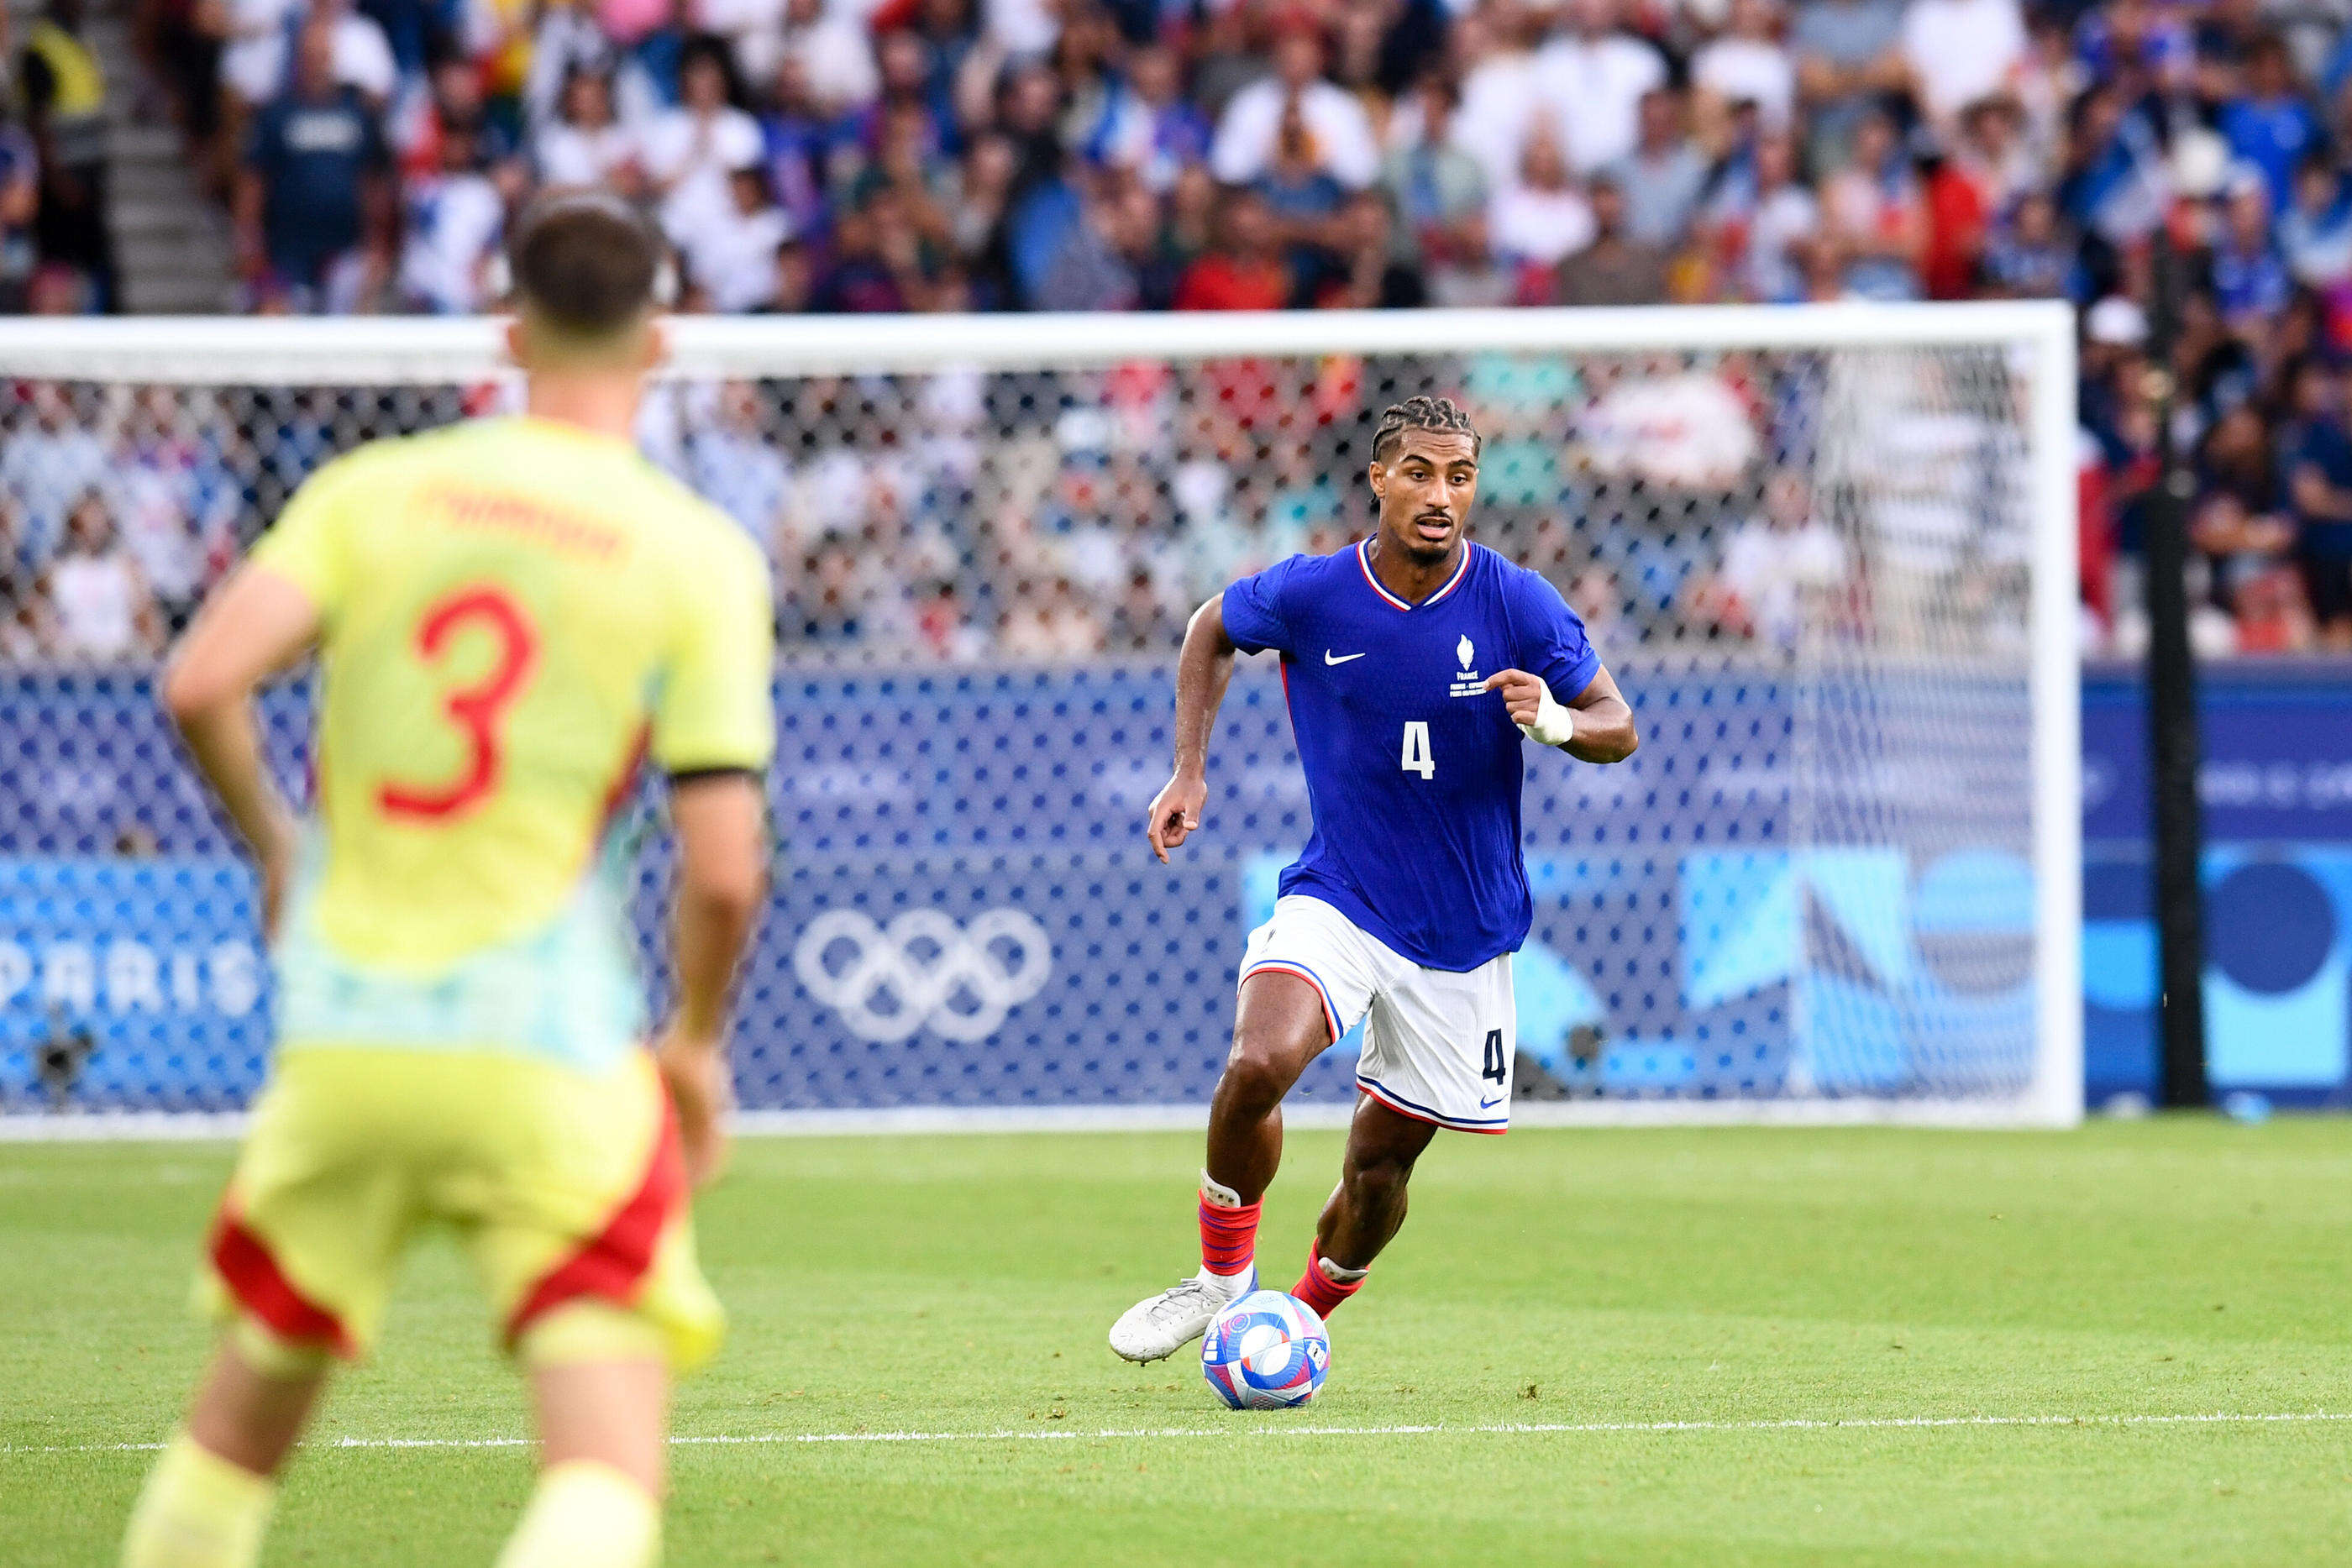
pixel 1830 552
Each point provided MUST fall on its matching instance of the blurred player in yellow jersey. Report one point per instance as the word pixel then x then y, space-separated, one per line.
pixel 511 615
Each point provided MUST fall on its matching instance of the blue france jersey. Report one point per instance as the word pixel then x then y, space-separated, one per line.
pixel 1413 770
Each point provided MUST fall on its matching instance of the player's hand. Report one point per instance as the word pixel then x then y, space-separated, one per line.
pixel 1175 812
pixel 1523 693
pixel 701 1087
pixel 1541 716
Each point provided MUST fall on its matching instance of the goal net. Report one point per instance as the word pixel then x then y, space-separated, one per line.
pixel 1828 552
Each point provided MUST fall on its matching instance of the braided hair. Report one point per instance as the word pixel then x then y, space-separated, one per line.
pixel 1420 413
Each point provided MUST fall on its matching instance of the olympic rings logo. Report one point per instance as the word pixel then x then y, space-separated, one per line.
pixel 887 981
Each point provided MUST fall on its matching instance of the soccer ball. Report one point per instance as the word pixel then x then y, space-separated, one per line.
pixel 1266 1352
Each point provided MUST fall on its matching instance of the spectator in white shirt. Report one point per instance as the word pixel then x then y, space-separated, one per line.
pixel 733 259
pixel 688 153
pixel 253 51
pixel 1761 225
pixel 730 459
pixel 1541 217
pixel 1993 155
pixel 1496 71
pixel 1781 572
pixel 1684 429
pixel 754 30
pixel 1251 128
pixel 1022 26
pixel 568 39
pixel 1961 50
pixel 1748 64
pixel 173 499
pixel 835 54
pixel 45 467
pixel 259 63
pixel 104 611
pixel 454 218
pixel 1591 77
pixel 585 145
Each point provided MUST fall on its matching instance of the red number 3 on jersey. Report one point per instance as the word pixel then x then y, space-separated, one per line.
pixel 476 709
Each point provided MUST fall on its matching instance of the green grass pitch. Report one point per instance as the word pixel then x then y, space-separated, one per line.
pixel 1601 1285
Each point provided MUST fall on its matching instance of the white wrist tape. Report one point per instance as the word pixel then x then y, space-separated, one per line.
pixel 1554 723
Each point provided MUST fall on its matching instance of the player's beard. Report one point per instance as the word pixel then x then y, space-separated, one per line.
pixel 1424 550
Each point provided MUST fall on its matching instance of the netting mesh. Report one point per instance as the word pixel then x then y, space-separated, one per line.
pixel 1808 570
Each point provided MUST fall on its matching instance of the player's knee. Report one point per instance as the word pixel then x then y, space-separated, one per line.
pixel 593 1332
pixel 277 1359
pixel 1257 1074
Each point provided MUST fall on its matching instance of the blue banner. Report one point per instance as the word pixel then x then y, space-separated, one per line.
pixel 132 983
pixel 2276 788
pixel 965 913
pixel 2278 755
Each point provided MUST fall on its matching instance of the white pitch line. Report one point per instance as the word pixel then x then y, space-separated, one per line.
pixel 1503 1428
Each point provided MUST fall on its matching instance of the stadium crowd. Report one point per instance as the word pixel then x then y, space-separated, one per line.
pixel 892 155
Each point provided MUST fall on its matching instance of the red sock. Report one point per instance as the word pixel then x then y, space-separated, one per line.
pixel 1322 1291
pixel 1228 1236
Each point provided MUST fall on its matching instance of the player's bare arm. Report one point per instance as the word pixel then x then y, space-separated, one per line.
pixel 722 877
pixel 1202 671
pixel 254 626
pixel 1597 723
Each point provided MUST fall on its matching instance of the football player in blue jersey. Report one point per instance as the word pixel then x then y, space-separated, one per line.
pixel 1416 666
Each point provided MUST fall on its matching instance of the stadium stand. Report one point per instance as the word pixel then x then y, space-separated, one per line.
pixel 849 155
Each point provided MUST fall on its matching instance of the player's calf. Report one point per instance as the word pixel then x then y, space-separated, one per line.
pixel 599 1386
pixel 1366 1209
pixel 207 1502
pixel 1363 1215
pixel 1282 1026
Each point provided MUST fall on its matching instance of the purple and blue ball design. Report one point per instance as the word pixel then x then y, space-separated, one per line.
pixel 1266 1351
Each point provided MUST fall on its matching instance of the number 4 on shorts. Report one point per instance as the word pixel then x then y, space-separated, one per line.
pixel 1496 1068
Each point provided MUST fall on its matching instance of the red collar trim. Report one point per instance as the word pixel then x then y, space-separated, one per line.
pixel 1364 561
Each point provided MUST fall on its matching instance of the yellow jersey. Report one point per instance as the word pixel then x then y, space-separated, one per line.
pixel 515 613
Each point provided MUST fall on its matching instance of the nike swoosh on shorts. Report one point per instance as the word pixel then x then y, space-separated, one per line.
pixel 1331 658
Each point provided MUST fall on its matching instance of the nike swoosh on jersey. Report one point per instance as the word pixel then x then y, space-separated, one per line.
pixel 1331 658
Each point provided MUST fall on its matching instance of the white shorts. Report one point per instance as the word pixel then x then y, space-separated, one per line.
pixel 1438 1045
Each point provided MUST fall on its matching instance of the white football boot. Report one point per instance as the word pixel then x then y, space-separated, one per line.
pixel 1159 1326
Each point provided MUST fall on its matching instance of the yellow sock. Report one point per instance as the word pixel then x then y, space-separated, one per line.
pixel 585 1515
pixel 198 1511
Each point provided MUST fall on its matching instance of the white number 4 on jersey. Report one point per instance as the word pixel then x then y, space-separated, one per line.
pixel 1417 759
